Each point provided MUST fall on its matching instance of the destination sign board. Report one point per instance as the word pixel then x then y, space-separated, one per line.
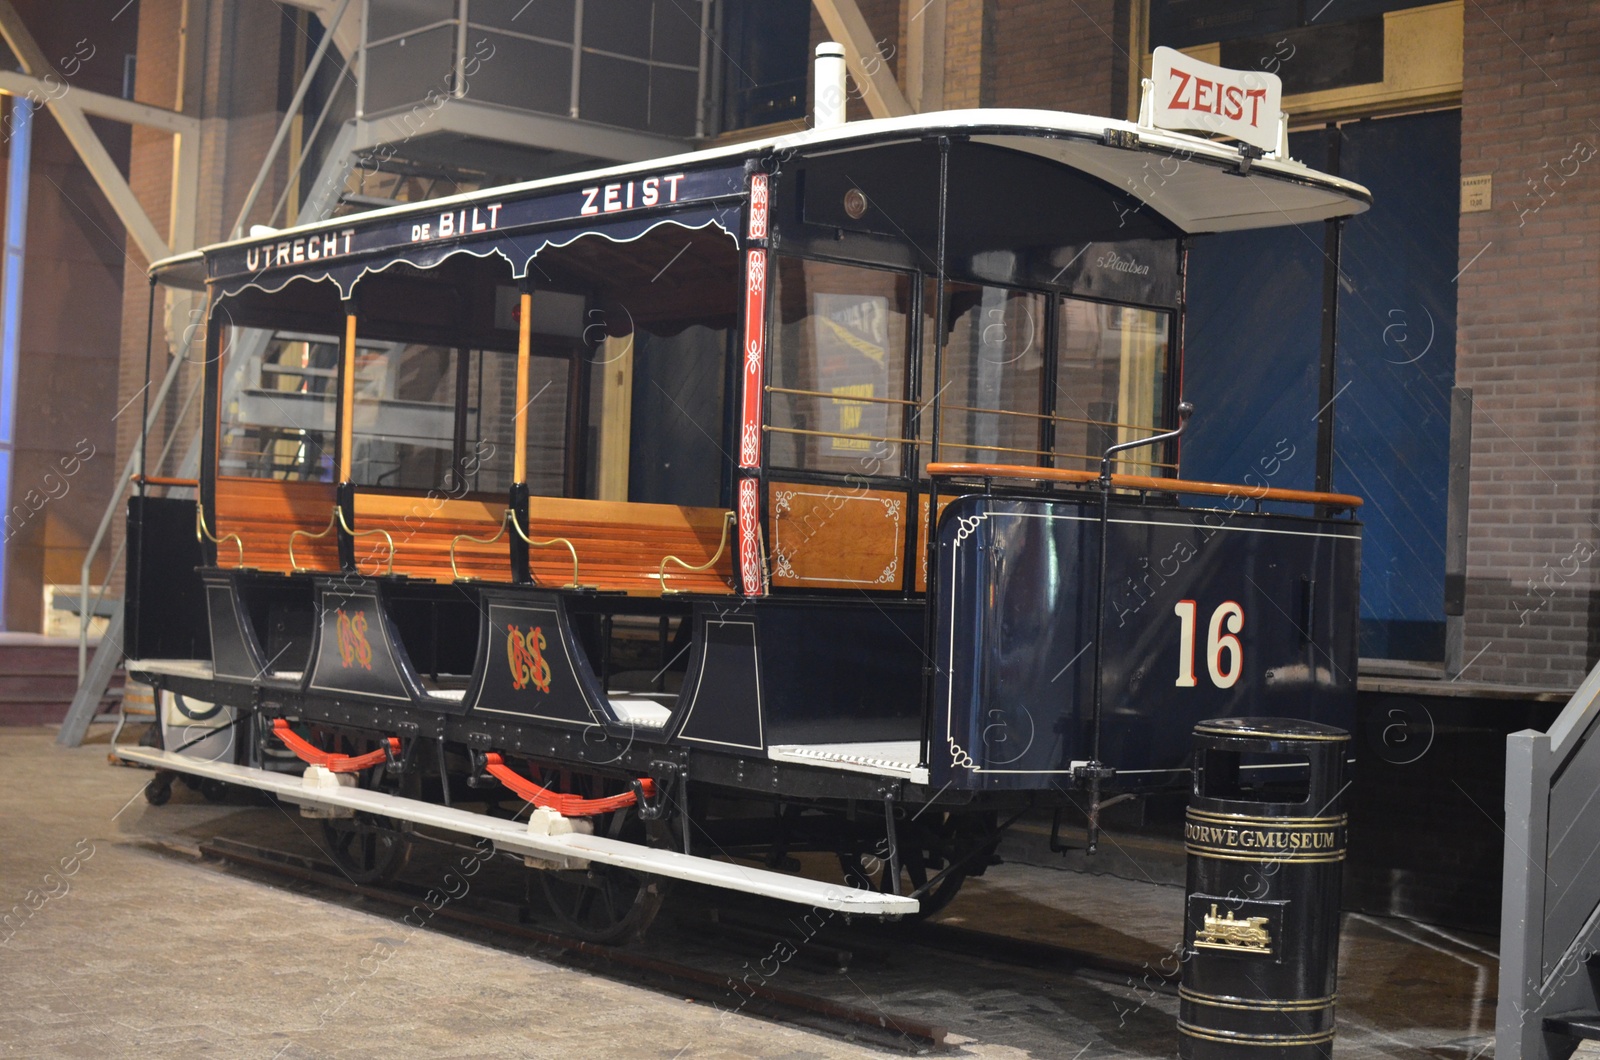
pixel 1190 94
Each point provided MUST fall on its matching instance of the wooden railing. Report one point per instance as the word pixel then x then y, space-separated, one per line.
pixel 1143 482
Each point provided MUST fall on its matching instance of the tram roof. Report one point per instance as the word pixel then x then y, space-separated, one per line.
pixel 1218 193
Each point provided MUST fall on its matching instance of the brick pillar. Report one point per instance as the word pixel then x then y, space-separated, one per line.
pixel 1529 317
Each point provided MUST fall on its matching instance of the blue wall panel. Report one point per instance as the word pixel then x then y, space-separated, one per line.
pixel 1397 353
pixel 1250 350
pixel 1252 346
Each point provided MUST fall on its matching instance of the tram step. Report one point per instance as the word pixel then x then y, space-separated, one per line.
pixel 1581 1025
pixel 514 837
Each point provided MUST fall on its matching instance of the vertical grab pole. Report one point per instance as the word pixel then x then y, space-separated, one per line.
pixel 345 495
pixel 931 544
pixel 521 573
pixel 1096 771
pixel 135 572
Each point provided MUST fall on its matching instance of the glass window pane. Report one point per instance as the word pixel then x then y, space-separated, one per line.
pixel 620 26
pixel 674 94
pixel 1111 384
pixel 614 92
pixel 838 366
pixel 547 426
pixel 677 411
pixel 993 374
pixel 539 18
pixel 677 33
pixel 388 17
pixel 404 425
pixel 520 73
pixel 403 72
pixel 282 392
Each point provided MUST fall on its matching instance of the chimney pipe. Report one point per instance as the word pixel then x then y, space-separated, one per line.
pixel 830 86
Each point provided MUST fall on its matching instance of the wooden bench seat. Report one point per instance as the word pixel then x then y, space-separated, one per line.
pixel 620 546
pixel 263 512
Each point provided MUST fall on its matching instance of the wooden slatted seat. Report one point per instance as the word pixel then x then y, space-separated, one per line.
pixel 620 546
pixel 263 512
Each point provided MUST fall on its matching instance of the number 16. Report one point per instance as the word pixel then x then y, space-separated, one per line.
pixel 1217 642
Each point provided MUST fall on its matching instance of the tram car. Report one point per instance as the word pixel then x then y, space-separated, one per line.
pixel 817 496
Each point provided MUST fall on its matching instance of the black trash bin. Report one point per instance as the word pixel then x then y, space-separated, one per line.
pixel 1266 848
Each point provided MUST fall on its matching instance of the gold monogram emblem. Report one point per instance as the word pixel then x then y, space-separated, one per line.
pixel 354 648
pixel 525 653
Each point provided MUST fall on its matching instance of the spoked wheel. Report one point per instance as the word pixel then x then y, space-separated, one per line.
pixel 604 904
pixel 928 846
pixel 367 848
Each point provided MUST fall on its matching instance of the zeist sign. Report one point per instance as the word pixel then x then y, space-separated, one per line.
pixel 1190 94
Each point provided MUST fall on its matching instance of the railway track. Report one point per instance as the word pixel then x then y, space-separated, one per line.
pixel 740 929
pixel 868 1025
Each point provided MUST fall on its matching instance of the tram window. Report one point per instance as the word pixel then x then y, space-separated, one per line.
pixel 655 416
pixel 1111 384
pixel 548 378
pixel 403 431
pixel 280 395
pixel 838 367
pixel 992 374
pixel 653 338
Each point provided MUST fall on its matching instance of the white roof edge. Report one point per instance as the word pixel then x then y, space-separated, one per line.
pixel 952 121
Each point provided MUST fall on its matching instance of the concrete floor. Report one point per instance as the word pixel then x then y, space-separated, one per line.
pixel 113 950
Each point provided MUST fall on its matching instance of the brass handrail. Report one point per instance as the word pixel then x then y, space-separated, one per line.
pixel 307 533
pixel 865 398
pixel 661 571
pixel 1143 482
pixel 1046 416
pixel 454 570
pixel 547 544
pixel 338 513
pixel 837 434
pixel 337 519
pixel 202 532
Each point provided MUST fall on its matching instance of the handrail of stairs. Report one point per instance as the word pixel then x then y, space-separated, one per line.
pixel 1550 901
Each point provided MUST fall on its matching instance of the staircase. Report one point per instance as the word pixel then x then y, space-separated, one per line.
pixel 1549 1006
pixel 38 677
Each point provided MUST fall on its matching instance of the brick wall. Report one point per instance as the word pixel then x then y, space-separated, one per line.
pixel 1013 53
pixel 233 85
pixel 1529 324
pixel 1041 53
pixel 72 273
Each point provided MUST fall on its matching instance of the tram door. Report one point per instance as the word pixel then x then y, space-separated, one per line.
pixel 1252 346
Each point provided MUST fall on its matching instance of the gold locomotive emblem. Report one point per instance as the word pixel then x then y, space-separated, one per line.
pixel 1226 933
pixel 524 651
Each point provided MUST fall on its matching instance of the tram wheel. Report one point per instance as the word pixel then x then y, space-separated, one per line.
pixel 604 904
pixel 159 790
pixel 927 847
pixel 367 848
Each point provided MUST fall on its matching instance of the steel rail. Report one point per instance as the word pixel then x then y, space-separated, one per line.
pixel 776 1002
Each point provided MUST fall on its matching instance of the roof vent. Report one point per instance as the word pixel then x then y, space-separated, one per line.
pixel 830 86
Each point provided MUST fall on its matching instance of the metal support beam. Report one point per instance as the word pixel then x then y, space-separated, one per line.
pixel 16 242
pixel 867 65
pixel 346 35
pixel 925 55
pixel 288 120
pixel 1457 506
pixel 13 83
pixel 92 689
pixel 467 117
pixel 83 139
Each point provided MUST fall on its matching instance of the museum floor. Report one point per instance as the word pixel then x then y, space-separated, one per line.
pixel 121 944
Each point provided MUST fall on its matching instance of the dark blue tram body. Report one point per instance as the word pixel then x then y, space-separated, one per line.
pixel 852 310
